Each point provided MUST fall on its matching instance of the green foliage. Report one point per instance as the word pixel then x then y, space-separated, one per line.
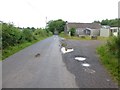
pixel 111 22
pixel 113 46
pixel 10 35
pixel 56 25
pixel 14 36
pixel 110 56
pixel 72 31
pixel 28 35
pixel 0 36
pixel 13 49
pixel 96 21
pixel 62 34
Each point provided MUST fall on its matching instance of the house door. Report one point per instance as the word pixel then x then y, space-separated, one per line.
pixel 87 32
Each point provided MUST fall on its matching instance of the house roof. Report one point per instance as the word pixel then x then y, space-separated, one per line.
pixel 84 25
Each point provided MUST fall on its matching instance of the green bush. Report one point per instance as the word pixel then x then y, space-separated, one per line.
pixel 113 46
pixel 72 31
pixel 110 56
pixel 14 36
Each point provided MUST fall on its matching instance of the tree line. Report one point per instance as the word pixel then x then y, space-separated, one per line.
pixel 12 35
pixel 110 22
pixel 58 25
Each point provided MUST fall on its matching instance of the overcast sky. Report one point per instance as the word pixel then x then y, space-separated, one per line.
pixel 33 13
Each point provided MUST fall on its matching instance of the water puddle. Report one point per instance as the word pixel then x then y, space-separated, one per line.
pixel 108 80
pixel 64 50
pixel 85 64
pixel 80 58
pixel 89 70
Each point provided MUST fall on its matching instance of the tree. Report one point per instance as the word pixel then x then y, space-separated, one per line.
pixel 12 35
pixel 28 34
pixel 57 25
pixel 72 31
pixel 96 21
pixel 111 22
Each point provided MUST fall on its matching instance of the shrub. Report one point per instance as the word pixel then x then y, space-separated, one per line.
pixel 110 56
pixel 113 46
pixel 72 31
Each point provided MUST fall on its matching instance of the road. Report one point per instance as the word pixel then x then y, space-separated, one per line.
pixel 52 69
pixel 24 70
pixel 93 76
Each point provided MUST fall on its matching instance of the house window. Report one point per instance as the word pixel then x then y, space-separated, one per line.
pixel 87 32
pixel 115 30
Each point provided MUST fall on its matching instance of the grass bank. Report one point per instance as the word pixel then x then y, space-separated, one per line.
pixel 110 61
pixel 81 38
pixel 13 49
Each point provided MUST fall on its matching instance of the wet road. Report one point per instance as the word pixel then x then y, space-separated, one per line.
pixel 24 70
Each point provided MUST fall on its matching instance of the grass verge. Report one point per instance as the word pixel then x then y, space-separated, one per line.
pixel 82 38
pixel 13 49
pixel 110 62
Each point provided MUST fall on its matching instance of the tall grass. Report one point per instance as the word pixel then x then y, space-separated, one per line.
pixel 110 56
pixel 62 34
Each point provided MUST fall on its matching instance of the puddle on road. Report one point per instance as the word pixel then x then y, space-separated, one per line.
pixel 63 50
pixel 89 70
pixel 85 64
pixel 108 80
pixel 80 58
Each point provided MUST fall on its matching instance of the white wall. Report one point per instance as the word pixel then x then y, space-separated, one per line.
pixel 104 32
pixel 115 33
pixel 95 32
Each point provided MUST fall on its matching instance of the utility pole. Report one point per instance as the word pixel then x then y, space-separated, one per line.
pixel 46 21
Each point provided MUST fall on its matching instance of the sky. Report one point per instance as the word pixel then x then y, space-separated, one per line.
pixel 33 13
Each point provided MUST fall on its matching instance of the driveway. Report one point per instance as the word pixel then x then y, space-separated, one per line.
pixel 89 73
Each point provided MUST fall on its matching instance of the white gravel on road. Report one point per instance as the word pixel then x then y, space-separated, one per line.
pixel 80 58
pixel 85 64
pixel 66 51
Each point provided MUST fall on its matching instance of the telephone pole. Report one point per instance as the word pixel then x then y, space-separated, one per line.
pixel 46 21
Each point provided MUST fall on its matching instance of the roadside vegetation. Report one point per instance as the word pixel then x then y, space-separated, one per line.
pixel 15 38
pixel 110 56
pixel 109 22
pixel 0 36
pixel 56 26
pixel 66 36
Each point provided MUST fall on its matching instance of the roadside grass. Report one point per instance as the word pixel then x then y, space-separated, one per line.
pixel 13 49
pixel 0 55
pixel 110 61
pixel 81 38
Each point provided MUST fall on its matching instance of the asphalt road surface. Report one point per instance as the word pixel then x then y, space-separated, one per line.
pixel 24 70
pixel 93 74
pixel 52 69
